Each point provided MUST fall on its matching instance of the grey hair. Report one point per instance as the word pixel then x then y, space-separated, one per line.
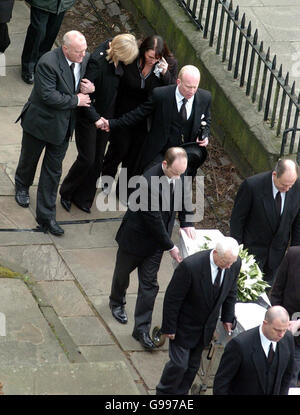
pixel 227 244
pixel 70 36
pixel 277 312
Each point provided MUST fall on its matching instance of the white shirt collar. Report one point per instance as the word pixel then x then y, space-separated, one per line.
pixel 265 342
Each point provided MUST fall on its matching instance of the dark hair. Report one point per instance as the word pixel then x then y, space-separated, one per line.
pixel 173 153
pixel 156 43
pixel 280 167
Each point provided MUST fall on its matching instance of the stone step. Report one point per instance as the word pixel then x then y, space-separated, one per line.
pixel 100 378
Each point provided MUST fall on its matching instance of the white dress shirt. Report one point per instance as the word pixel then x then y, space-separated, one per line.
pixel 76 70
pixel 214 269
pixel 266 342
pixel 188 104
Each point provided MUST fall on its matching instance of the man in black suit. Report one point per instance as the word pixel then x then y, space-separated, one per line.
pixel 286 292
pixel 48 122
pixel 200 286
pixel 258 361
pixel 177 117
pixel 266 215
pixel 45 20
pixel 145 234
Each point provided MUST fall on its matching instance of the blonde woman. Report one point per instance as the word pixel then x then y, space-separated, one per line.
pixel 105 69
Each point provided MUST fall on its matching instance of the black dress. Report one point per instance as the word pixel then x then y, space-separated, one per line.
pixel 134 89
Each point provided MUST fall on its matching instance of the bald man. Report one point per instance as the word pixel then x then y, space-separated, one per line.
pixel 48 120
pixel 171 124
pixel 266 215
pixel 258 361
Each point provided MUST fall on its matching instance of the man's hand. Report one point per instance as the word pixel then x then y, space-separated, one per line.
pixel 84 100
pixel 86 86
pixel 105 125
pixel 175 254
pixel 294 326
pixel 99 123
pixel 202 143
pixel 228 328
pixel 190 231
pixel 170 336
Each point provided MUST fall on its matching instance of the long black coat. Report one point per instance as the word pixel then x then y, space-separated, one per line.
pixel 144 231
pixel 49 110
pixel 6 7
pixel 189 309
pixel 254 221
pixel 286 288
pixel 160 106
pixel 242 367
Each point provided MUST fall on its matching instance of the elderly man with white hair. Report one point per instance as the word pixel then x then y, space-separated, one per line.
pixel 200 286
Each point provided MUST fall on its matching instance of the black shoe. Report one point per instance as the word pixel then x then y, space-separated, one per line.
pixel 51 226
pixel 22 196
pixel 119 313
pixel 83 208
pixel 28 78
pixel 66 204
pixel 144 339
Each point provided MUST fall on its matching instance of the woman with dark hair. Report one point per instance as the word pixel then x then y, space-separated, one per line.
pixel 155 66
pixel 6 7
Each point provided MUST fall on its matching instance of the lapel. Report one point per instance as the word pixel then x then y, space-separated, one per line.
pixel 206 281
pixel 198 111
pixel 259 359
pixel 286 207
pixel 282 356
pixel 269 205
pixel 66 75
pixel 167 108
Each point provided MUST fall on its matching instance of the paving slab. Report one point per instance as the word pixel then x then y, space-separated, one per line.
pixel 15 92
pixel 87 236
pixel 87 331
pixel 41 261
pixel 65 298
pixel 10 131
pixel 29 339
pixel 122 332
pixel 6 185
pixel 24 238
pixel 14 216
pixel 98 378
pixel 150 366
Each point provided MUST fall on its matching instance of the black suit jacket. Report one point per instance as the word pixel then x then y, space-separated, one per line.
pixel 242 367
pixel 189 308
pixel 160 106
pixel 286 288
pixel 49 112
pixel 254 222
pixel 106 80
pixel 144 231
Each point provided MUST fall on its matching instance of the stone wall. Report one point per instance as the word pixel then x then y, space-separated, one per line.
pixel 236 123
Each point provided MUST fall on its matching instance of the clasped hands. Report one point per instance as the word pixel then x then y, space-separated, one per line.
pixel 86 87
pixel 103 124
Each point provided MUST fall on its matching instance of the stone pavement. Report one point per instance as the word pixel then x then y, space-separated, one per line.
pixel 277 22
pixel 60 336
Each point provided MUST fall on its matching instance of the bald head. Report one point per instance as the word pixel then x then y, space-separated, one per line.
pixel 285 174
pixel 74 46
pixel 276 323
pixel 188 81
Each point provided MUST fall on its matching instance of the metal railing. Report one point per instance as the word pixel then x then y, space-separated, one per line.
pixel 245 57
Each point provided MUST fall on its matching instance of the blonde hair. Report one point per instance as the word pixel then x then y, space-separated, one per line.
pixel 122 48
pixel 191 69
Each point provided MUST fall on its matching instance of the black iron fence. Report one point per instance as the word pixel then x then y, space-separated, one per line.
pixel 246 58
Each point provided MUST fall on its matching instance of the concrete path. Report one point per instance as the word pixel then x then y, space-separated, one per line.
pixel 60 336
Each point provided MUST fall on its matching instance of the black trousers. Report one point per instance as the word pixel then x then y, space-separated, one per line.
pixel 50 172
pixel 4 37
pixel 40 37
pixel 180 371
pixel 148 286
pixel 80 183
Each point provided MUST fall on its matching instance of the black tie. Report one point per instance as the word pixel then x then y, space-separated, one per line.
pixel 72 67
pixel 270 354
pixel 182 111
pixel 217 282
pixel 278 203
